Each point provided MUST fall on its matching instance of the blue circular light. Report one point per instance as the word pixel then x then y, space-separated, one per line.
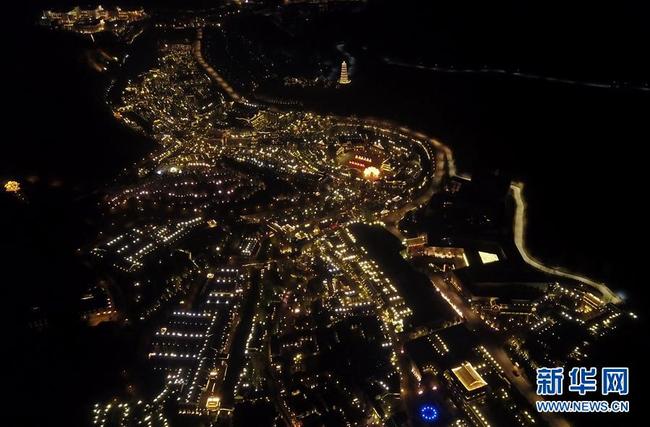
pixel 429 413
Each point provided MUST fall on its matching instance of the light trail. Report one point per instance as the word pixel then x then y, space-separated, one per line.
pixel 519 227
pixel 517 74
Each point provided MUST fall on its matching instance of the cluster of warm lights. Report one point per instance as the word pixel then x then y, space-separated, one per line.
pixel 12 186
pixel 371 173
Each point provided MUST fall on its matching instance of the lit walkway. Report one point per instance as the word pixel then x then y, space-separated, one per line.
pixel 198 55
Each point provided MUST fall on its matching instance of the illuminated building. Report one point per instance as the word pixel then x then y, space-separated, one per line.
pixel 213 403
pixel 343 79
pixel 469 378
pixel 465 383
pixel 97 306
pixel 371 173
pixel 99 15
pixel 12 186
pixel 488 257
pixel 370 161
pixel 415 245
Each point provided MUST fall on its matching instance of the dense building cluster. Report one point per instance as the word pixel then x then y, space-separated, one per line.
pixel 91 21
pixel 293 268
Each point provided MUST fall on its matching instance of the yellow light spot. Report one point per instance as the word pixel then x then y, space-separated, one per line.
pixel 488 257
pixel 12 186
pixel 371 173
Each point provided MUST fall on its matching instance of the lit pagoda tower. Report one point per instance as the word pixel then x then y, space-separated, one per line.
pixel 343 79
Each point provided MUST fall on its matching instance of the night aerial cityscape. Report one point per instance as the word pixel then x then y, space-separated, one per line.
pixel 314 213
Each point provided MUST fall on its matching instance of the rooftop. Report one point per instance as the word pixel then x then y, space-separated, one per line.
pixel 468 376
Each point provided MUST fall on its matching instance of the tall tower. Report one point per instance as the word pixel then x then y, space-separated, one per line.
pixel 343 79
